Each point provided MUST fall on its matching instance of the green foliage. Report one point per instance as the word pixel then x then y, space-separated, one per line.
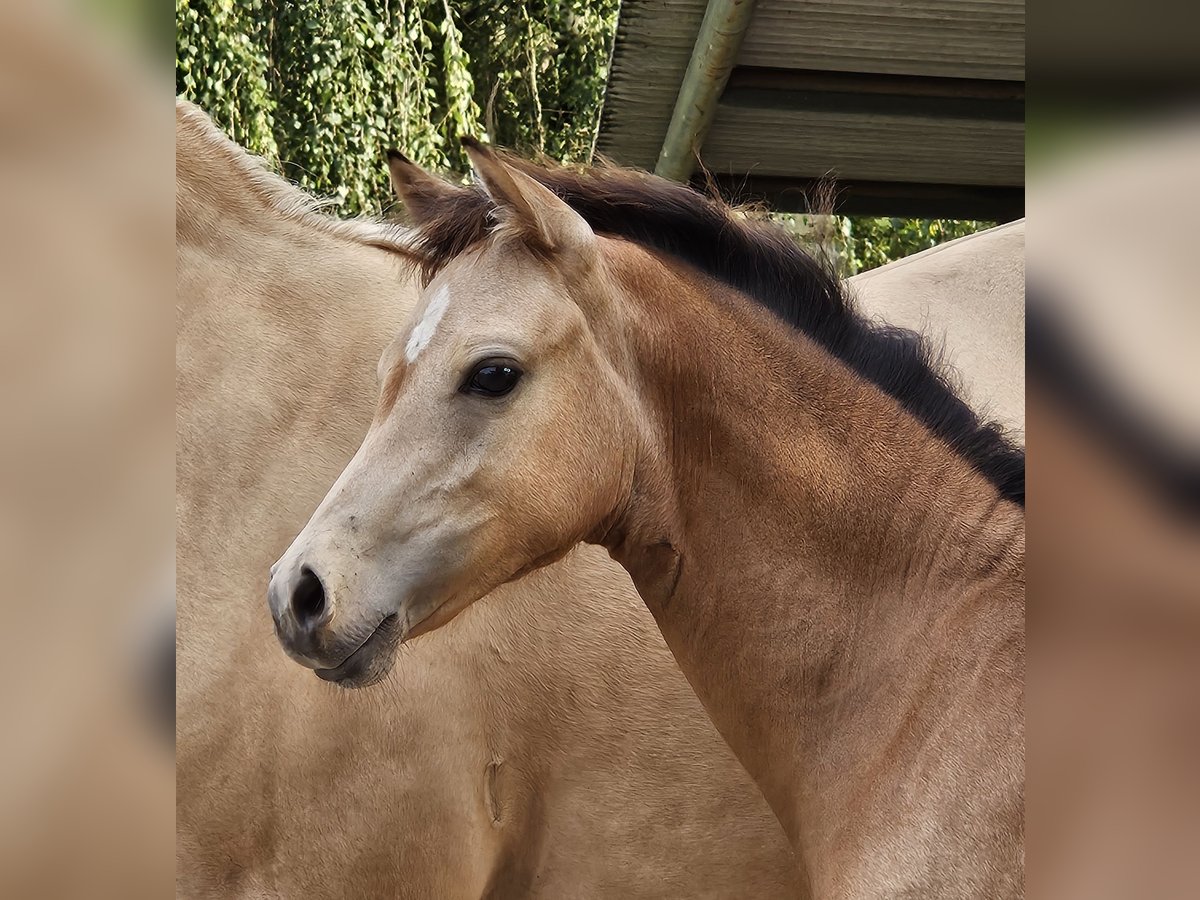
pixel 321 88
pixel 857 243
pixel 874 242
pixel 541 67
pixel 219 63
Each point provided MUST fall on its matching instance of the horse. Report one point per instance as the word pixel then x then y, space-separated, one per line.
pixel 828 537
pixel 544 745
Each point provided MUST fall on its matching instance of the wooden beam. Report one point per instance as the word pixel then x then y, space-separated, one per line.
pixel 874 198
pixel 875 83
pixel 873 94
pixel 713 57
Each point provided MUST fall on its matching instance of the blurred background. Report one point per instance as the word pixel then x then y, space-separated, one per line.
pixel 86 433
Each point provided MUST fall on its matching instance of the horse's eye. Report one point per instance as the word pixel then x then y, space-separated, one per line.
pixel 493 379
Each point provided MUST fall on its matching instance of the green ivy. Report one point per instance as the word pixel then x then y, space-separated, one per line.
pixel 220 63
pixel 857 243
pixel 540 71
pixel 322 87
pixel 875 241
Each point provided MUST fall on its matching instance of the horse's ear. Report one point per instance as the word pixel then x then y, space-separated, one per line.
pixel 421 192
pixel 541 215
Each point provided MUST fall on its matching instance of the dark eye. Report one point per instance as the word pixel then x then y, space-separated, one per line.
pixel 493 379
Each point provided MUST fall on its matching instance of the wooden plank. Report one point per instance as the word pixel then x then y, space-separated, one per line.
pixel 951 38
pixel 866 147
pixel 653 45
pixel 876 84
pixel 876 198
pixel 967 137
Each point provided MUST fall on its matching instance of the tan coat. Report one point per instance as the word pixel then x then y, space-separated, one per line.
pixel 542 744
pixel 829 539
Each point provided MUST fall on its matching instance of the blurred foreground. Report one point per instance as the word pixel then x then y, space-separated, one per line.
pixel 1114 579
pixel 86 468
pixel 1114 431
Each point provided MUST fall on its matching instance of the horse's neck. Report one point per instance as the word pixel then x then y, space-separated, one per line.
pixel 800 540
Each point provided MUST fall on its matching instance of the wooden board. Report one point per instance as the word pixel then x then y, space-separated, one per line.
pixel 866 147
pixel 949 38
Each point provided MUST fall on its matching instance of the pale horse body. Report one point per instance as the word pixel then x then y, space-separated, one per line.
pixel 510 754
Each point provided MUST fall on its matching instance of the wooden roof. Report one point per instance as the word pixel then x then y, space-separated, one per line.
pixel 915 106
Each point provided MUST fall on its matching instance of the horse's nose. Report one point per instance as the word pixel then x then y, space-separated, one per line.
pixel 307 602
pixel 298 603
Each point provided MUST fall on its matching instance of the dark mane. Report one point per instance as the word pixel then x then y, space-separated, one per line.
pixel 763 262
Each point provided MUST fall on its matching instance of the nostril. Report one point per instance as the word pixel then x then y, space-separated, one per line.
pixel 308 598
